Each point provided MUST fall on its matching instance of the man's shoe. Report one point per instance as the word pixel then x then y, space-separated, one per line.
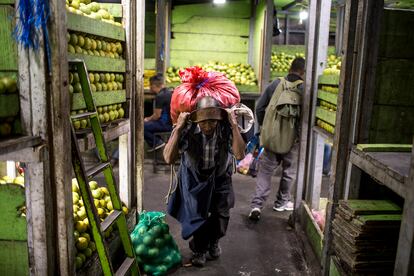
pixel 198 259
pixel 255 214
pixel 214 250
pixel 156 147
pixel 287 206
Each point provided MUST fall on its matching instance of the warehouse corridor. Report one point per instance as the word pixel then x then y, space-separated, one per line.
pixel 268 247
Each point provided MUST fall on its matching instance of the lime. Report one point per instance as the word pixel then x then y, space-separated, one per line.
pixel 156 230
pixel 88 252
pixel 82 243
pixel 80 226
pixel 86 236
pixel 78 262
pixel 159 243
pixel 153 252
pixel 148 239
pixel 140 250
pixel 92 246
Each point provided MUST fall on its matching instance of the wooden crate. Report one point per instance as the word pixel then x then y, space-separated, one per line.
pixel 92 26
pixel 392 118
pixel 8 47
pixel 203 33
pixel 101 99
pixel 14 258
pixel 328 97
pixel 101 64
pixel 326 115
pixel 329 80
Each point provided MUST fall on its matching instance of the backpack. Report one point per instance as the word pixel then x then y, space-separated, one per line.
pixel 281 121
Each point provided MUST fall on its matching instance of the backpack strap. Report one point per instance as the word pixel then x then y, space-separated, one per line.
pixel 278 91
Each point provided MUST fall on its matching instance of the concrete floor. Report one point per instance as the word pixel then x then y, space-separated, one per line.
pixel 268 247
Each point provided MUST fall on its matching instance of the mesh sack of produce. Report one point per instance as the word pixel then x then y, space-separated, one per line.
pixel 196 84
pixel 155 249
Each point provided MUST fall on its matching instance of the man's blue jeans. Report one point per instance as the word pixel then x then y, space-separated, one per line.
pixel 152 127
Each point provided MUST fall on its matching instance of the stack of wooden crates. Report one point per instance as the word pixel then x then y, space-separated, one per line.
pixel 366 236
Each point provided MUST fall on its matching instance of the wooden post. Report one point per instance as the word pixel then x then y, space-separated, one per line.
pixel 306 107
pixel 250 57
pixel 339 32
pixel 267 45
pixel 168 14
pixel 59 135
pixel 139 102
pixel 286 28
pixel 124 167
pixel 315 157
pixel 404 263
pixel 341 147
pixel 315 171
pixel 160 34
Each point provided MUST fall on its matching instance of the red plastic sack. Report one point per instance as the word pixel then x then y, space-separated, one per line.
pixel 196 84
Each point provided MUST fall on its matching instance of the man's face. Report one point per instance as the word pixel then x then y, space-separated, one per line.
pixel 208 127
pixel 155 88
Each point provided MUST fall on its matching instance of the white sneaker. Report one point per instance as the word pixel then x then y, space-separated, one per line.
pixel 288 206
pixel 255 214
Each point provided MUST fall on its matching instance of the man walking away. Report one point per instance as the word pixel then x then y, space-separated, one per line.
pixel 279 136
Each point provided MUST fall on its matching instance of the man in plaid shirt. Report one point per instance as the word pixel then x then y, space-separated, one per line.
pixel 207 141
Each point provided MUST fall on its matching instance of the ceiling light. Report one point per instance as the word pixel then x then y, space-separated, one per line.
pixel 219 1
pixel 303 15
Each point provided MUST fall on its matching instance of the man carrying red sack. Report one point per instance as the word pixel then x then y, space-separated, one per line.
pixel 207 140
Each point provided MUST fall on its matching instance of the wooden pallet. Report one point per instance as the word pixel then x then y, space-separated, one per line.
pixel 101 99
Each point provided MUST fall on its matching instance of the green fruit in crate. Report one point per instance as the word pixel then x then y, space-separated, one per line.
pixel 93 185
pixel 96 77
pixel 77 124
pixel 106 116
pixel 112 77
pixel 104 87
pixel 92 246
pixel 107 77
pixel 78 262
pixel 105 108
pixel 100 109
pixel 75 198
pixel 88 252
pixel 108 47
pixel 91 78
pixel 96 53
pixel 101 77
pixel 83 123
pixel 121 113
pixel 82 243
pixel 102 53
pixel 116 114
pixel 80 226
pixel 98 45
pixel 119 86
pixel 111 115
pixel 110 86
pixel 73 40
pixel 85 52
pixel 103 45
pixel 82 256
pixel 114 86
pixel 9 84
pixel 93 88
pixel 77 88
pixel 75 78
pixel 86 236
pixel 88 43
pixel 96 193
pixel 98 86
pixel 101 118
pixel 71 49
pixel 78 50
pixel 94 44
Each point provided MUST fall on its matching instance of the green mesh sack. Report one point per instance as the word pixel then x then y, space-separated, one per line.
pixel 155 249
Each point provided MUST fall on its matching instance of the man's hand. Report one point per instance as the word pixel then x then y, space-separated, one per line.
pixel 182 120
pixel 146 119
pixel 231 116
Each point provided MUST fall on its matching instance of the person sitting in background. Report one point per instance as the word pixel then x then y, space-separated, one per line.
pixel 160 120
